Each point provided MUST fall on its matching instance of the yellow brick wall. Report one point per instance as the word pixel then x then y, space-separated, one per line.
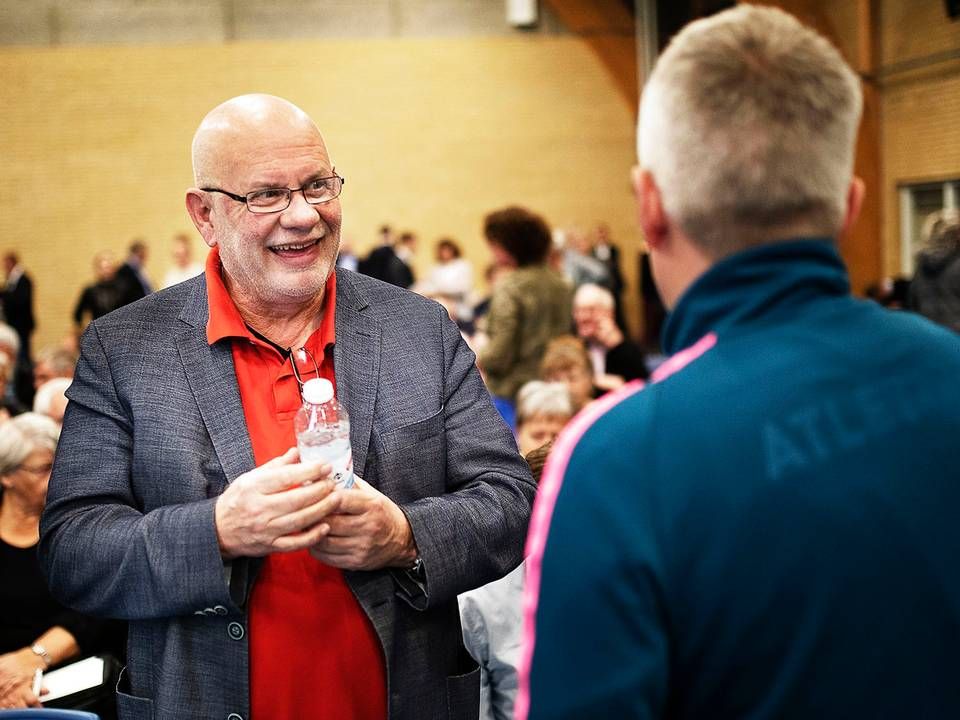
pixel 430 134
pixel 911 29
pixel 921 107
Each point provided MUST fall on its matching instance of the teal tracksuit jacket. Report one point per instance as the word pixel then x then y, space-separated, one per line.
pixel 771 528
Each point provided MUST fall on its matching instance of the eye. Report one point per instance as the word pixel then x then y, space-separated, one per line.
pixel 267 196
pixel 320 186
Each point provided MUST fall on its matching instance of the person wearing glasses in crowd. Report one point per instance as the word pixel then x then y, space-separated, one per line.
pixel 768 529
pixel 253 587
pixel 36 631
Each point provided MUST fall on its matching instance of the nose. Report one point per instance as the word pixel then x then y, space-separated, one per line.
pixel 300 214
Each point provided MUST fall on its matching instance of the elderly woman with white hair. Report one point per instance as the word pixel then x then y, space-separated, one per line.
pixel 35 631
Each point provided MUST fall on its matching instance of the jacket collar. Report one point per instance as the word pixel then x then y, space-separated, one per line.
pixel 770 280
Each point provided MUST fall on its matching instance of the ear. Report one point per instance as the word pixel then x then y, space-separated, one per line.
pixel 200 210
pixel 650 213
pixel 855 195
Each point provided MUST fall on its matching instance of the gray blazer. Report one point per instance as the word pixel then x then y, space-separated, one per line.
pixel 153 433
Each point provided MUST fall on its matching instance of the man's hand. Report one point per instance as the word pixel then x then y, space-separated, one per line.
pixel 607 332
pixel 270 509
pixel 368 532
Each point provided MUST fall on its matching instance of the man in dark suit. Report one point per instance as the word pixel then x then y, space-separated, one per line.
pixel 17 297
pixel 130 277
pixel 385 262
pixel 252 586
pixel 17 300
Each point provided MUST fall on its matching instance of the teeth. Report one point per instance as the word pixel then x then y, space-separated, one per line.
pixel 294 246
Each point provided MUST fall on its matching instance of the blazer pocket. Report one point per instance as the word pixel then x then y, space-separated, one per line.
pixel 463 695
pixel 131 707
pixel 414 433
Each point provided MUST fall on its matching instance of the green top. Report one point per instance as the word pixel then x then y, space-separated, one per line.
pixel 531 306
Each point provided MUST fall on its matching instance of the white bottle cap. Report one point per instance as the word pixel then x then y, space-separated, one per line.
pixel 317 391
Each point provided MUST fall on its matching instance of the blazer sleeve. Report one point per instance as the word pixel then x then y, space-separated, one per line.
pixel 473 533
pixel 101 552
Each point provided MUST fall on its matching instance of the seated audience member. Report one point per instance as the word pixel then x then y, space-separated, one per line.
pixel 769 529
pixel 491 619
pixel 51 399
pixel 566 361
pixel 614 358
pixel 36 632
pixel 935 289
pixel 103 296
pixel 543 408
pixel 528 307
pixel 53 362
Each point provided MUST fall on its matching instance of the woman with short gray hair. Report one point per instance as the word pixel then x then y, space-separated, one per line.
pixel 36 632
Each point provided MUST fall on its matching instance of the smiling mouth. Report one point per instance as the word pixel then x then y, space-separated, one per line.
pixel 294 247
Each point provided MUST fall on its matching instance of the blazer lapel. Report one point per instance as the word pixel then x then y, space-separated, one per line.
pixel 212 379
pixel 356 363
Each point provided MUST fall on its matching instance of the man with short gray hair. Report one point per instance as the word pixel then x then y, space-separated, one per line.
pixel 768 529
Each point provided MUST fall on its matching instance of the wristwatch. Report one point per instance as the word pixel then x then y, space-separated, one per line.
pixel 41 652
pixel 416 570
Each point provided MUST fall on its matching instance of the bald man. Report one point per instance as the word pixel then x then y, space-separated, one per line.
pixel 254 588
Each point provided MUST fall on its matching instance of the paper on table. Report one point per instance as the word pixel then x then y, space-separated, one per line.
pixel 73 678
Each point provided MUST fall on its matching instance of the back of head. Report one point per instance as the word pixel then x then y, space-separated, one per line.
pixel 543 398
pixel 49 393
pixel 523 234
pixel 747 125
pixel 24 434
pixel 59 361
pixel 564 353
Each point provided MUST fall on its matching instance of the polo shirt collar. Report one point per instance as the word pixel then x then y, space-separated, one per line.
pixel 225 321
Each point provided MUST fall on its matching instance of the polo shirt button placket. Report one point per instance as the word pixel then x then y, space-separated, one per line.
pixel 235 631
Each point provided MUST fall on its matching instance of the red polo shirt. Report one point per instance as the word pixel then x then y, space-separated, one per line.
pixel 313 652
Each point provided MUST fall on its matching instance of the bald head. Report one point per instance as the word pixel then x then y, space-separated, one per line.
pixel 238 124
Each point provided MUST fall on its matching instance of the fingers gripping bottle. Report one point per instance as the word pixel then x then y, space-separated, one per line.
pixel 323 431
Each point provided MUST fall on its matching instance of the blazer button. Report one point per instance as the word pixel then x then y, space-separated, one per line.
pixel 235 631
pixel 234 716
pixel 219 609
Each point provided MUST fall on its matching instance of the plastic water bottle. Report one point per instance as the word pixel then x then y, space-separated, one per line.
pixel 323 431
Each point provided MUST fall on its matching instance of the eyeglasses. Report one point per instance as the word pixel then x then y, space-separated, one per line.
pixel 271 200
pixel 302 355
